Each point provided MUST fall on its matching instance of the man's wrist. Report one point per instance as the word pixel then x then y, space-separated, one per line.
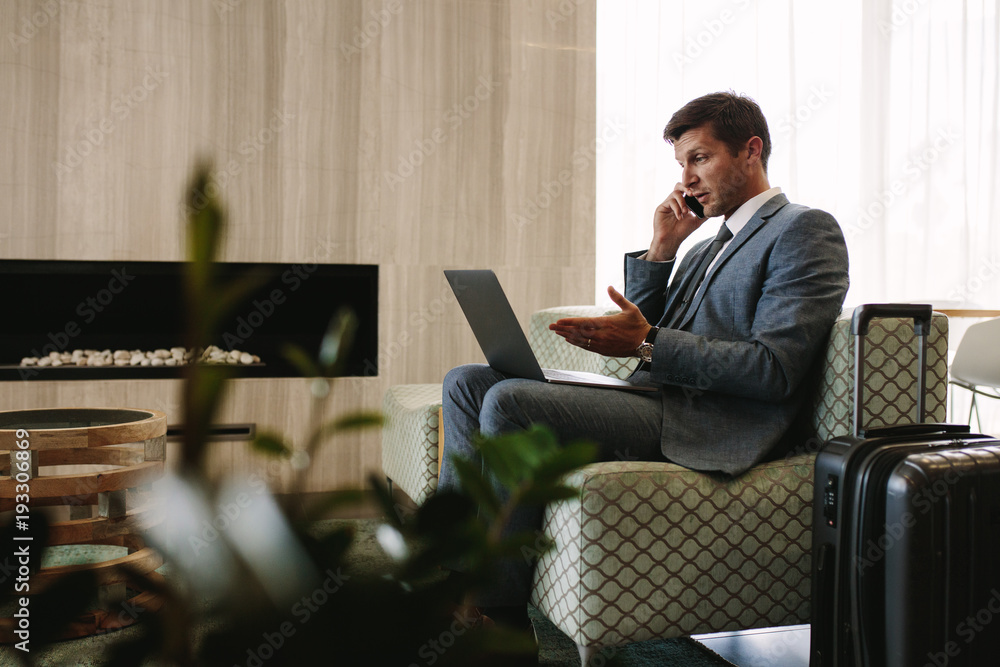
pixel 645 349
pixel 661 252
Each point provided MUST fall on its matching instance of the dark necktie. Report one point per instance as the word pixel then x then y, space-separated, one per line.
pixel 699 274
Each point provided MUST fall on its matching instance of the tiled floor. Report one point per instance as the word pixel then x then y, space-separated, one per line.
pixel 768 647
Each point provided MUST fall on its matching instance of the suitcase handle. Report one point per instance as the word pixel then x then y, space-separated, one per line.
pixel 920 313
pixel 917 429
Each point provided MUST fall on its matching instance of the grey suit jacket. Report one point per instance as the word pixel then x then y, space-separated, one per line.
pixel 732 372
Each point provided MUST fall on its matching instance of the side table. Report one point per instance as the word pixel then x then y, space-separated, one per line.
pixel 132 442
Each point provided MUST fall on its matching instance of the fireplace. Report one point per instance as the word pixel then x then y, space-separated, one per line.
pixel 62 306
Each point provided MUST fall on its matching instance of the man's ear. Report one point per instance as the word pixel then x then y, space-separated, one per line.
pixel 754 148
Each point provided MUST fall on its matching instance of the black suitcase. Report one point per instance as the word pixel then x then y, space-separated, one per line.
pixel 906 536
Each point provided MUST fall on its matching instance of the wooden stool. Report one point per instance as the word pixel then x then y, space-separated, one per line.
pixel 133 442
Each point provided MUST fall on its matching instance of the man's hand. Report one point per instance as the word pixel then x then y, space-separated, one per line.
pixel 613 335
pixel 673 222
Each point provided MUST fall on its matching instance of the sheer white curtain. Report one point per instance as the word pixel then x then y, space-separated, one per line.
pixel 883 113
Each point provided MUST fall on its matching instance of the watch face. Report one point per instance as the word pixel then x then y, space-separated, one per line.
pixel 645 352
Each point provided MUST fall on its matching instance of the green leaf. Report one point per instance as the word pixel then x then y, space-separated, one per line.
pixel 203 393
pixel 512 457
pixel 337 340
pixel 384 498
pixel 298 357
pixel 335 544
pixel 353 421
pixel 476 485
pixel 543 494
pixel 358 420
pixel 563 461
pixel 61 603
pixel 523 545
pixel 237 292
pixel 271 445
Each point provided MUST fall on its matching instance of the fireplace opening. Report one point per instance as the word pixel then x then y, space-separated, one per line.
pixel 58 309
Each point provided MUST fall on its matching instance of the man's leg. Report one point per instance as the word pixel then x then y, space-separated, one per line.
pixel 624 425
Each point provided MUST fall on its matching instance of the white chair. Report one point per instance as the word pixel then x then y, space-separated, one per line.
pixel 977 364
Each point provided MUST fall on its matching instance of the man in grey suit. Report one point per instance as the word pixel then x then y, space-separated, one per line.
pixel 729 341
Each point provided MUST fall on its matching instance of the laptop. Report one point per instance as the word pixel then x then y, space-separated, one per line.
pixel 503 341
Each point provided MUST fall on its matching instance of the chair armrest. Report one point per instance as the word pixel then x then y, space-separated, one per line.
pixel 553 352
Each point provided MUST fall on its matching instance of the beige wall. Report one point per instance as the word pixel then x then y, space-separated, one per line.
pixel 413 134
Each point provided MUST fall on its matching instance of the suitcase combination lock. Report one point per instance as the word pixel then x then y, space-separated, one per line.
pixel 830 501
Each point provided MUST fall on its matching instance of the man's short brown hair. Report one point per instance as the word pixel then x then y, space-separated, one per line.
pixel 733 119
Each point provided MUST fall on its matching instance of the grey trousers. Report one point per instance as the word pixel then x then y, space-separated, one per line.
pixel 624 425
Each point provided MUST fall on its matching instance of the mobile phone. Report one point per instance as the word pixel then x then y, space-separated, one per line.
pixel 695 206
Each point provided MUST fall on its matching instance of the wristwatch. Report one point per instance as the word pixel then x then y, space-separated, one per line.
pixel 645 349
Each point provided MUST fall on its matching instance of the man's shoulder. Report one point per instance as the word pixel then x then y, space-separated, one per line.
pixel 789 214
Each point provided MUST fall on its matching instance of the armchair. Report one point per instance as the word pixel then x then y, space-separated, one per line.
pixel 654 550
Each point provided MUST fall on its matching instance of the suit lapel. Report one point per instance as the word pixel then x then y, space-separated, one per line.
pixel 770 207
pixel 683 278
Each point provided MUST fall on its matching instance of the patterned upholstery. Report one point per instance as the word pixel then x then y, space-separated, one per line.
pixel 656 550
pixel 410 438
pixel 890 389
pixel 553 352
